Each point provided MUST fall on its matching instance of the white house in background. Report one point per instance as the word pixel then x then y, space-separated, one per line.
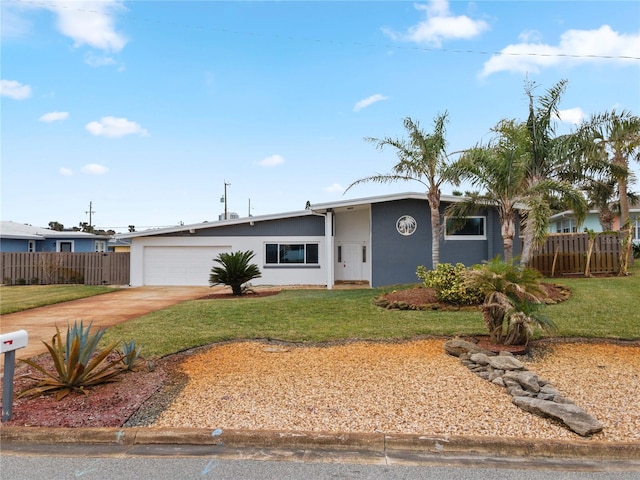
pixel 377 241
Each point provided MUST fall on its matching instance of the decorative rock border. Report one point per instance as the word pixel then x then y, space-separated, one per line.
pixel 527 391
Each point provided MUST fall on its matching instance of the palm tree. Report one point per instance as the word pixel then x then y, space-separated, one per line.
pixel 511 307
pixel 422 158
pixel 550 169
pixel 499 171
pixel 615 135
pixel 235 271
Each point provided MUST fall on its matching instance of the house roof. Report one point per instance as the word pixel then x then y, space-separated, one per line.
pixel 570 213
pixel 27 232
pixel 313 209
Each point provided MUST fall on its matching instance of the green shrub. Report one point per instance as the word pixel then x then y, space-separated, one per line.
pixel 447 280
pixel 78 363
pixel 636 250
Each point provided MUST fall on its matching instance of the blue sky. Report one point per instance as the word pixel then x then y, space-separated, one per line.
pixel 146 108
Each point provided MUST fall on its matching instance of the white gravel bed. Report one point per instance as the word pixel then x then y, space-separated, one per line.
pixel 408 387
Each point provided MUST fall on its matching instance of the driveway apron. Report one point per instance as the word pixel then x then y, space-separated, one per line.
pixel 103 310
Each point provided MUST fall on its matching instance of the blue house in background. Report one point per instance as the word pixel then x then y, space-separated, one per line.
pixel 17 237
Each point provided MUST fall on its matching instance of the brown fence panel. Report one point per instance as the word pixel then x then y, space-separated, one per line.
pixel 48 268
pixel 566 254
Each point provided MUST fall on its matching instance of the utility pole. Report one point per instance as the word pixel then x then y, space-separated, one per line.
pixel 224 199
pixel 90 212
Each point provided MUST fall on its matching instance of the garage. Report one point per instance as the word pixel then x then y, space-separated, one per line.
pixel 179 266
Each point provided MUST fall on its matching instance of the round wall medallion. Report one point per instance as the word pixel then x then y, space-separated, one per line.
pixel 406 225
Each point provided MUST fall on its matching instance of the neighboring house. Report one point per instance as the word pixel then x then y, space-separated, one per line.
pixel 378 240
pixel 119 245
pixel 565 222
pixel 18 237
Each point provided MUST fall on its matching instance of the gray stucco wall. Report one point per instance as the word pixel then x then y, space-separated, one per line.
pixel 312 225
pixel 395 257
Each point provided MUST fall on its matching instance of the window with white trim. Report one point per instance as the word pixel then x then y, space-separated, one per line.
pixel 636 229
pixel 568 225
pixel 31 246
pixel 101 246
pixel 291 253
pixel 64 246
pixel 473 228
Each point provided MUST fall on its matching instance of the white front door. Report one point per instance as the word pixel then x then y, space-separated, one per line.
pixel 350 263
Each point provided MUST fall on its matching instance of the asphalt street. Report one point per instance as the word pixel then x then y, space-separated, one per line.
pixel 29 467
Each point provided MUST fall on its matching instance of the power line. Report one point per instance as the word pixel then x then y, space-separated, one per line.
pixel 334 42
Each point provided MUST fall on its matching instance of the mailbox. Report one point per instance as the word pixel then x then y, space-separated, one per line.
pixel 13 341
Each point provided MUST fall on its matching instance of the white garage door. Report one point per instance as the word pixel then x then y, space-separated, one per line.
pixel 186 266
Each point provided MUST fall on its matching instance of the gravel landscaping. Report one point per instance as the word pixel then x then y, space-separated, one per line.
pixel 402 387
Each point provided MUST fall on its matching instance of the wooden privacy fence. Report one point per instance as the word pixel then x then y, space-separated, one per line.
pixel 40 268
pixel 566 254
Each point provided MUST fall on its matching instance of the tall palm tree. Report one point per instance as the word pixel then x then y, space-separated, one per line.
pixel 422 158
pixel 550 171
pixel 615 136
pixel 498 170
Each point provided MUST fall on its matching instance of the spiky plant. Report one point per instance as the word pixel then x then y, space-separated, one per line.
pixel 234 270
pixel 130 353
pixel 512 306
pixel 77 361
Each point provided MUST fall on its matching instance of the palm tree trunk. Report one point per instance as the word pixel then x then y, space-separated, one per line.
pixel 433 196
pixel 527 247
pixel 508 231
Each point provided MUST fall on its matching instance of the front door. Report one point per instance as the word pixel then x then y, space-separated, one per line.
pixel 351 262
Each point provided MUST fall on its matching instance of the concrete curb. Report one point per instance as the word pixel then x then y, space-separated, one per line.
pixel 366 442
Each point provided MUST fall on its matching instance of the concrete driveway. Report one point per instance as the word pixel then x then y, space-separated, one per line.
pixel 104 310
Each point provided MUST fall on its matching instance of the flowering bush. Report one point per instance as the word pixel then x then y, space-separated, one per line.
pixel 448 282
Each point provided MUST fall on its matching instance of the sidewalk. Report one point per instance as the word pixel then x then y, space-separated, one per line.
pixel 104 310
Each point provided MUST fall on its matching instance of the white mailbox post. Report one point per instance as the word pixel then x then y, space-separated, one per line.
pixel 9 343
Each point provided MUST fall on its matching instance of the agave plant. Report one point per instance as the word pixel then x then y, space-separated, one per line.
pixel 78 363
pixel 130 354
pixel 512 307
pixel 235 270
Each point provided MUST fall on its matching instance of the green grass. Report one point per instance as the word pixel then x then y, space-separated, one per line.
pixel 293 315
pixel 18 298
pixel 600 307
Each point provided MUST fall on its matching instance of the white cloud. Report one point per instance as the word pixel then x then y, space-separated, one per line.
pixel 334 187
pixel 54 116
pixel 67 172
pixel 572 115
pixel 98 61
pixel 440 25
pixel 89 22
pixel 112 127
pixel 368 101
pixel 575 47
pixel 271 161
pixel 14 89
pixel 94 169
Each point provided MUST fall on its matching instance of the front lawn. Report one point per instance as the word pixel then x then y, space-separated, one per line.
pixel 23 297
pixel 600 307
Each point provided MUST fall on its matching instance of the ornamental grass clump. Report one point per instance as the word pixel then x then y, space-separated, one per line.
pixel 77 361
